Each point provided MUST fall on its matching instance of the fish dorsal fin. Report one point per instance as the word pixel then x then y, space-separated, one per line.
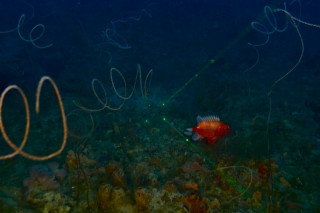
pixel 207 118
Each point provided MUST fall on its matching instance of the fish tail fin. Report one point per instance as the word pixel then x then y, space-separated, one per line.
pixel 195 136
pixel 188 132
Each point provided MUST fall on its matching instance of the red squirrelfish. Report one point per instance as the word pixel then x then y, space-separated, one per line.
pixel 209 128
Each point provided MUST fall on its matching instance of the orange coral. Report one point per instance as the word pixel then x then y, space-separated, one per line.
pixel 142 198
pixel 256 196
pixel 118 178
pixel 170 187
pixel 116 128
pixel 191 186
pixel 215 204
pixel 111 167
pixel 104 196
pixel 195 204
pixel 284 182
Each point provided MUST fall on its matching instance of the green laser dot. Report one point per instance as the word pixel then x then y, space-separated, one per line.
pixel 164 119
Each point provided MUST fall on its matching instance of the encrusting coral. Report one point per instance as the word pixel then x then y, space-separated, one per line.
pixel 104 197
pixel 53 202
pixel 40 180
pixel 142 198
pixel 120 201
pixel 118 178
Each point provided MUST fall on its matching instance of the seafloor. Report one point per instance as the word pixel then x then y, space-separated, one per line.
pixel 136 159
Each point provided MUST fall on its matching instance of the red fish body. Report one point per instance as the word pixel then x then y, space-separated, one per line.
pixel 209 128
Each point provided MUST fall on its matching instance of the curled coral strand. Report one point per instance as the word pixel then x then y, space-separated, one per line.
pixel 144 85
pixel 18 150
pixel 72 134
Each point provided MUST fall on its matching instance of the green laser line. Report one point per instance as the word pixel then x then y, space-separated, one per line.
pixel 202 69
pixel 187 140
pixel 234 184
pixel 233 42
pixel 228 178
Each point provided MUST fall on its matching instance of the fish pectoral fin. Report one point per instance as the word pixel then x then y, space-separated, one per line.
pixel 211 140
pixel 196 137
